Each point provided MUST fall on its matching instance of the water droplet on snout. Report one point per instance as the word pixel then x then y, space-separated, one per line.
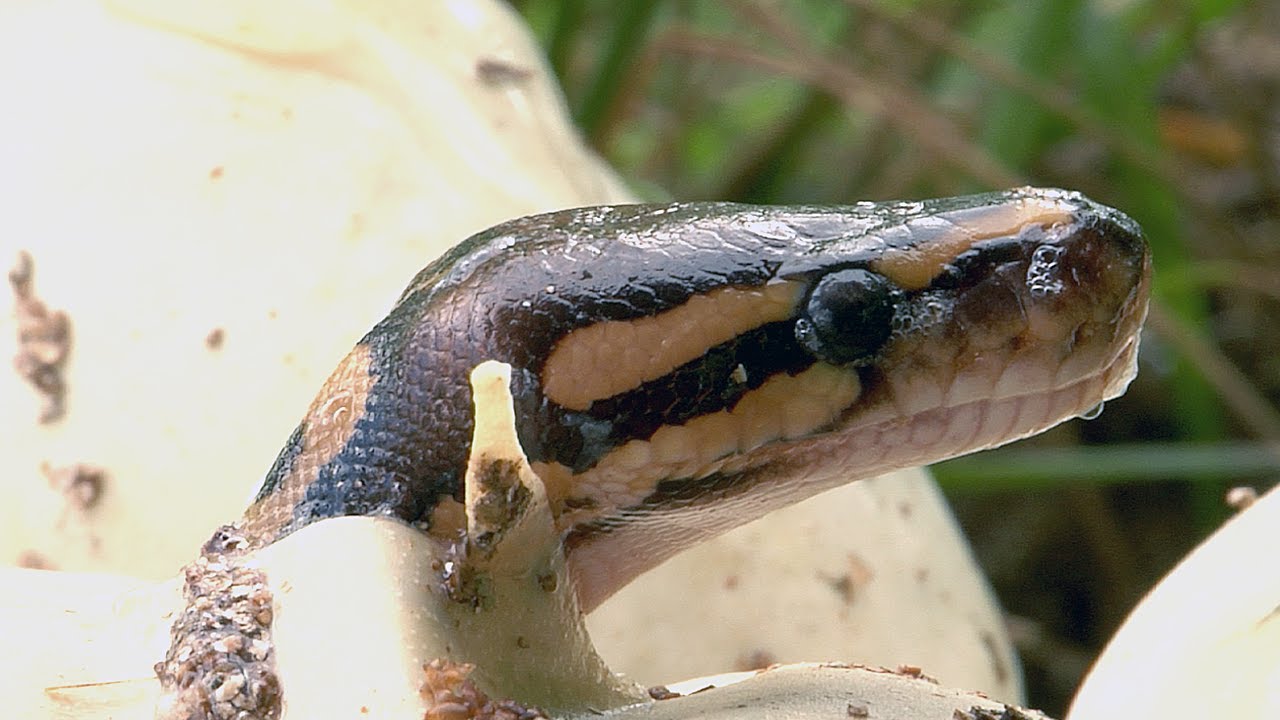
pixel 909 318
pixel 1043 270
pixel 1093 412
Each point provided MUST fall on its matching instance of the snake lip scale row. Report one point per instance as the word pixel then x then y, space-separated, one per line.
pixel 681 369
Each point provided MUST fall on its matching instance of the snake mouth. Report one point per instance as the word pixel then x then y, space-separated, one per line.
pixel 870 446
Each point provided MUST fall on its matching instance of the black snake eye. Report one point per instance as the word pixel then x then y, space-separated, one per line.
pixel 848 316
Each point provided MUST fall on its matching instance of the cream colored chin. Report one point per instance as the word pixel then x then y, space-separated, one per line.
pixel 936 374
pixel 881 439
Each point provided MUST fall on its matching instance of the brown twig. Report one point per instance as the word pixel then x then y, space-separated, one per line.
pixel 1234 388
pixel 896 106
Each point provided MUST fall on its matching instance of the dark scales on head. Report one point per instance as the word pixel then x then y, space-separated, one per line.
pixel 513 292
pixel 488 300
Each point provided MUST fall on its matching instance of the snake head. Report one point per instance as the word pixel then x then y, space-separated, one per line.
pixel 919 331
pixel 681 369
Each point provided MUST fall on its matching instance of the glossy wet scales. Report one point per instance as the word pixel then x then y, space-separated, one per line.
pixel 680 369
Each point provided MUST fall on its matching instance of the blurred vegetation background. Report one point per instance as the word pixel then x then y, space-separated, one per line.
pixel 1167 109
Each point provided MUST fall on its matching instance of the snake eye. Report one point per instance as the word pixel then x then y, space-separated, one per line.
pixel 848 316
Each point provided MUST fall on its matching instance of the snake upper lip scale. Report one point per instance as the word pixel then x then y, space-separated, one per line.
pixel 681 369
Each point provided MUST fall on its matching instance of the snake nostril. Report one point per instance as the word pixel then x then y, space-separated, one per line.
pixel 1080 336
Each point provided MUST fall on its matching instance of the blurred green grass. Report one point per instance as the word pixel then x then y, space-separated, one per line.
pixel 1167 110
pixel 835 102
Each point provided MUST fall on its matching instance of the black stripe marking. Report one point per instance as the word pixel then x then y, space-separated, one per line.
pixel 700 387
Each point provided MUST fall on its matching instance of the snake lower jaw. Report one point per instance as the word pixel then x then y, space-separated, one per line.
pixel 787 472
pixel 925 437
